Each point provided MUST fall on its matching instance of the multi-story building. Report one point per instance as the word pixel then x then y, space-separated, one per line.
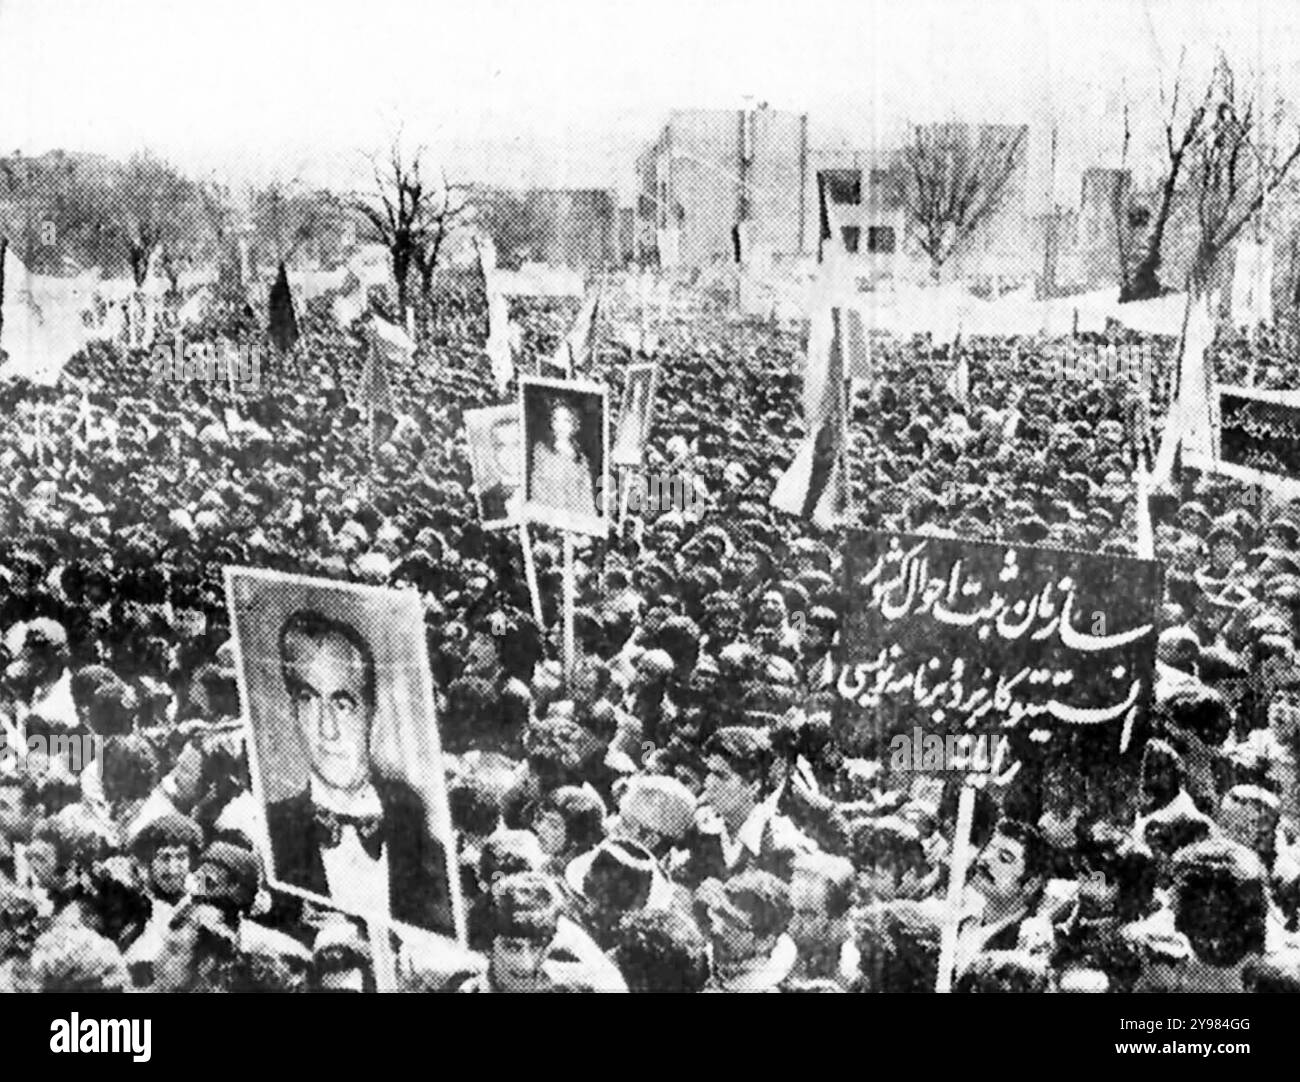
pixel 713 174
pixel 710 170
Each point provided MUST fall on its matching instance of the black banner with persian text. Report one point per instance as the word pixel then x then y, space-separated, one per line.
pixel 1051 649
pixel 1259 435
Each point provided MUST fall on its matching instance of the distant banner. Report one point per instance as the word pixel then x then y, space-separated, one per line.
pixel 1259 435
pixel 539 280
pixel 1053 650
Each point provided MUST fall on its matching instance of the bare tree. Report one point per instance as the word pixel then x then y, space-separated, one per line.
pixel 289 220
pixel 1234 172
pixel 410 217
pixel 955 178
pixel 443 210
pixel 1181 135
pixel 149 210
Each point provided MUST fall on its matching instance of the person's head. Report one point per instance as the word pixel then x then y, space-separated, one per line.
pixel 525 917
pixel 744 917
pixel 62 854
pixel 1011 869
pixel 131 768
pixel 570 820
pixel 72 958
pixel 164 850
pixel 17 815
pixel 329 673
pixel 564 424
pixel 898 947
pixel 228 877
pixel 340 959
pixel 737 760
pixel 105 703
pixel 1163 775
pixel 1220 900
pixel 1249 816
pixel 619 877
pixel 20 922
pixel 39 649
pixel 1116 875
pixel 657 811
pixel 508 852
pixel 889 855
pixel 1004 971
pixel 821 893
pixel 504 436
pixel 198 942
pixel 661 950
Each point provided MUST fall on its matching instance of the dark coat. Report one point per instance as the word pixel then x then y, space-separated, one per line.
pixel 417 868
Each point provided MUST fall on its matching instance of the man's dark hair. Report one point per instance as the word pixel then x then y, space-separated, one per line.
pixel 1004 971
pixel 660 950
pixel 762 897
pixel 1221 900
pixel 524 906
pixel 1038 855
pixel 474 808
pixel 315 627
pixel 170 829
pixel 1131 866
pixel 747 751
pixel 899 946
pixel 582 812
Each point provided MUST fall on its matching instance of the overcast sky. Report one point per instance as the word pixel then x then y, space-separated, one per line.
pixel 565 92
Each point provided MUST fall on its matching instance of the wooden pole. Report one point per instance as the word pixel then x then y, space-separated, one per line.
pixel 381 952
pixel 956 887
pixel 530 574
pixel 570 592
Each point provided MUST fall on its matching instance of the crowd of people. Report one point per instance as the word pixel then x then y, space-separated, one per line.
pixel 687 812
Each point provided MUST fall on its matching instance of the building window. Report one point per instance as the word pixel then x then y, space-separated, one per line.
pixel 843 186
pixel 880 239
pixel 852 237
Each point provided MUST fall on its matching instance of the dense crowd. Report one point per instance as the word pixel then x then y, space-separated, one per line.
pixel 687 814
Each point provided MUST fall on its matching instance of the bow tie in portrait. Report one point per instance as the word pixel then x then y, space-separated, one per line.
pixel 368 828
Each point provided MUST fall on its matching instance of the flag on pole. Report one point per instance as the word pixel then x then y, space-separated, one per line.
pixel 814 485
pixel 377 396
pixel 1146 538
pixel 574 350
pixel 502 335
pixel 958 385
pixel 396 345
pixel 1190 424
pixel 1252 284
pixel 283 323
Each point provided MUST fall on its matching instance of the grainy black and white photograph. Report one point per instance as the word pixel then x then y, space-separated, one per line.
pixel 635 414
pixel 345 749
pixel 565 427
pixel 497 460
pixel 656 497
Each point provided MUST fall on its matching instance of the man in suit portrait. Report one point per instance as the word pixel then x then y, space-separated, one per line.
pixel 499 500
pixel 351 835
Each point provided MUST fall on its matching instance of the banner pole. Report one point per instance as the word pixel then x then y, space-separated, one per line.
pixel 569 600
pixel 381 952
pixel 956 886
pixel 530 574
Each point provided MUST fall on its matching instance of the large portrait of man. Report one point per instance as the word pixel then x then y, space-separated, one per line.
pixel 566 442
pixel 634 417
pixel 496 458
pixel 343 746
